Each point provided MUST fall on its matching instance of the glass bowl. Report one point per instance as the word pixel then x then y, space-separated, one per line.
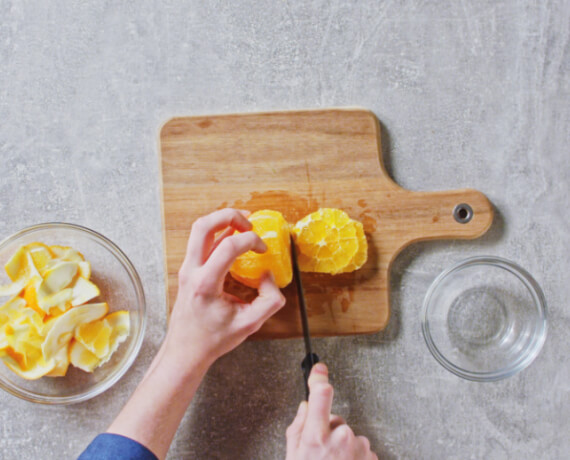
pixel 120 287
pixel 484 319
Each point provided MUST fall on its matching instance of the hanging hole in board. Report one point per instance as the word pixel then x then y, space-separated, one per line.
pixel 463 213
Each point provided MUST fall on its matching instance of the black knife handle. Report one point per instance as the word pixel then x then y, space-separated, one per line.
pixel 307 364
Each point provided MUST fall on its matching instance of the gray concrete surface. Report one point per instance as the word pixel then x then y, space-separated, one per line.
pixel 470 94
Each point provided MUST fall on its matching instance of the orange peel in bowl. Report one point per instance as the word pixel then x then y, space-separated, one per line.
pixel 120 322
pixel 82 358
pixel 250 267
pixel 61 360
pixel 47 305
pixel 101 339
pixel 95 336
pixel 60 331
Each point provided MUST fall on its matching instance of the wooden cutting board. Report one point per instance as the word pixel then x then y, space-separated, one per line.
pixel 296 162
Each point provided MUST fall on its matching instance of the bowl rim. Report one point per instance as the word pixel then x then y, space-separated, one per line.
pixel 141 300
pixel 526 357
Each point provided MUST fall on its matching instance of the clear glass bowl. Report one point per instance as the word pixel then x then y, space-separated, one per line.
pixel 484 319
pixel 120 287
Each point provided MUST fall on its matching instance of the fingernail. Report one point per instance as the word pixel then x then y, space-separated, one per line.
pixel 319 373
pixel 321 368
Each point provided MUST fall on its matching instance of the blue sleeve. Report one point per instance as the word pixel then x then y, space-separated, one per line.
pixel 108 446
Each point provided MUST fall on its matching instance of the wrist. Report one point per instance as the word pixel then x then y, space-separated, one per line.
pixel 184 363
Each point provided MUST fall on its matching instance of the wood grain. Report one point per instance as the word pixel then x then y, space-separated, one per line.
pixel 296 162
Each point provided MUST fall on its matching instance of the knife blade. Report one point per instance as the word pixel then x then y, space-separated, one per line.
pixel 310 358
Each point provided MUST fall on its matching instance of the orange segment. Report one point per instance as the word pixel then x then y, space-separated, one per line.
pixel 250 267
pixel 327 241
pixel 361 255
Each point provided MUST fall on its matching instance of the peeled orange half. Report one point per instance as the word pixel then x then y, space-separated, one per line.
pixel 327 241
pixel 250 267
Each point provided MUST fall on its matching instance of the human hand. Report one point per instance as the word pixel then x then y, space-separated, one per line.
pixel 206 320
pixel 316 434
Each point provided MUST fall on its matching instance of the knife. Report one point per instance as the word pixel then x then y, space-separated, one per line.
pixel 310 358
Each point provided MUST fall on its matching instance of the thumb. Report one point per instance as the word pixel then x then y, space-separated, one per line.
pixel 296 428
pixel 320 403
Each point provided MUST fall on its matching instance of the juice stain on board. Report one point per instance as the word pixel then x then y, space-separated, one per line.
pixel 292 206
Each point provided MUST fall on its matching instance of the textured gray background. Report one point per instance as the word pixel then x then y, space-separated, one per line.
pixel 470 94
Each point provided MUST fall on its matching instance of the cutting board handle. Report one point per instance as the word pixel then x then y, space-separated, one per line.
pixel 454 214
